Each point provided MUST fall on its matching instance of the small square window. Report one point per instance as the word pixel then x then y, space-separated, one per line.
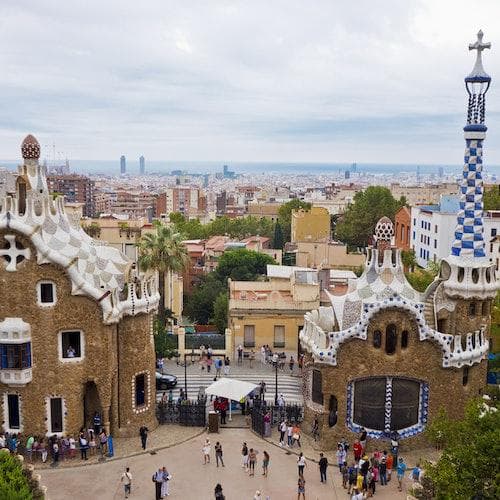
pixel 46 293
pixel 71 345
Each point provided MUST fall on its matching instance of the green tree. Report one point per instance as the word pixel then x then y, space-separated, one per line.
pixel 220 312
pixel 16 483
pixel 278 239
pixel 358 222
pixel 285 215
pixel 242 265
pixel 199 306
pixel 420 278
pixel 409 260
pixel 492 198
pixel 468 466
pixel 162 251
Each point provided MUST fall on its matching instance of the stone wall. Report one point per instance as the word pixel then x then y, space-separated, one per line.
pixel 421 360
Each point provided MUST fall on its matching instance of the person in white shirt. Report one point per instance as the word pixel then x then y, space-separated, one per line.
pixel 301 463
pixel 70 353
pixel 263 355
pixel 289 434
pixel 127 482
pixel 282 429
pixel 281 400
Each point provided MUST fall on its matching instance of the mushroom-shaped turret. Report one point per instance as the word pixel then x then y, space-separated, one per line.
pixel 30 148
pixel 384 230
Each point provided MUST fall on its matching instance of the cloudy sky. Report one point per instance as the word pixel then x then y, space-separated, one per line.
pixel 307 80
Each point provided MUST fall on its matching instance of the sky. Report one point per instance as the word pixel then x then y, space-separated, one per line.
pixel 302 81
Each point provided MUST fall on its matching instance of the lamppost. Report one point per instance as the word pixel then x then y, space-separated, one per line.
pixel 275 363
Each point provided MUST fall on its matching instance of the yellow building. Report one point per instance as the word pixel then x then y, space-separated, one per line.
pixel 272 312
pixel 327 255
pixel 310 225
pixel 123 235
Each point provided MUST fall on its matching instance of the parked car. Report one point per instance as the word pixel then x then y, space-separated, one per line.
pixel 165 381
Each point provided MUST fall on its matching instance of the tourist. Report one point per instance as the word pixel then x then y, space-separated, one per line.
pixel 390 465
pixel 91 442
pixel 97 422
pixel 383 469
pixel 258 495
pixel 209 363
pixel 244 456
pixel 72 446
pixel 323 465
pixel 29 447
pixel 158 480
pixel 341 456
pixel 394 446
pixel 296 435
pixel 267 424
pixel 353 476
pixel 300 363
pixel 70 352
pixel 166 477
pixel 64 447
pixel 357 449
pixel 143 432
pixel 263 355
pixel 252 458
pixel 218 368
pixel 265 463
pixel 281 401
pixel 415 473
pixel 289 434
pixel 103 442
pixel 345 475
pixel 282 428
pixel 43 450
pixel 223 411
pixel 82 441
pixel 55 452
pixel 371 479
pixel 239 350
pixel 218 454
pixel 343 442
pixel 206 451
pixel 262 390
pixel 227 366
pixel 251 358
pixel 291 363
pixel 357 494
pixel 362 438
pixel 401 469
pixel 218 492
pixel 301 463
pixel 360 482
pixel 301 488
pixel 127 482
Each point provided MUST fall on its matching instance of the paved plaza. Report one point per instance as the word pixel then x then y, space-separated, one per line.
pixel 193 480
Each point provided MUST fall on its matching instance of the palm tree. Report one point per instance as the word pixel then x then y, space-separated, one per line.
pixel 162 251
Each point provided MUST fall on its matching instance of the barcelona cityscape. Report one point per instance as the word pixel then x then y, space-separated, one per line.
pixel 250 250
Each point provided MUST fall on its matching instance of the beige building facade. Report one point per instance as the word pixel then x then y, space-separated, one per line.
pixel 327 255
pixel 310 225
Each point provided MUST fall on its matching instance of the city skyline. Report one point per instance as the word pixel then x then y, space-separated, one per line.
pixel 280 82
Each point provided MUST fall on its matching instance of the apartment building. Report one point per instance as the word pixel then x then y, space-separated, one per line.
pixel 75 189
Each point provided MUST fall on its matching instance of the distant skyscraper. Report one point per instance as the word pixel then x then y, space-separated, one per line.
pixel 418 173
pixel 440 171
pixel 142 165
pixel 123 164
pixel 347 174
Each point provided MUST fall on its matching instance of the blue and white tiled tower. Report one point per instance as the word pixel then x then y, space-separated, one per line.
pixel 467 271
pixel 469 240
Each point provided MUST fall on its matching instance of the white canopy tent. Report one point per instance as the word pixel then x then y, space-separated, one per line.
pixel 231 389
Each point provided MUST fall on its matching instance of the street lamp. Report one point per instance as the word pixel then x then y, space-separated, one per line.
pixel 275 363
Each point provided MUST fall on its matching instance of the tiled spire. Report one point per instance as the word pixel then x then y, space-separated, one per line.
pixel 469 240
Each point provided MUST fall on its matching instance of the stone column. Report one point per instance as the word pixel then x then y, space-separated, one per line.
pixel 229 344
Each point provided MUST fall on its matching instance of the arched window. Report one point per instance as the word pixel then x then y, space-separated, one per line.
pixel 377 338
pixel 391 338
pixel 317 387
pixel 332 408
pixel 472 309
pixel 465 376
pixel 404 339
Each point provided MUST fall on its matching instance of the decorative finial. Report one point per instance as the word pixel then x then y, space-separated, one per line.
pixel 30 148
pixel 478 72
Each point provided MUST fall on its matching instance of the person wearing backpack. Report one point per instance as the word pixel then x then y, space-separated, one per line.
pixel 353 475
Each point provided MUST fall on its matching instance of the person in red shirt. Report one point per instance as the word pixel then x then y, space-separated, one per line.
pixel 357 449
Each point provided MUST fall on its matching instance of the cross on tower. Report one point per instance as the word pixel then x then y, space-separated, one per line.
pixel 12 253
pixel 479 45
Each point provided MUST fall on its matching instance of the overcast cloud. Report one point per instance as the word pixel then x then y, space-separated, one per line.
pixel 248 80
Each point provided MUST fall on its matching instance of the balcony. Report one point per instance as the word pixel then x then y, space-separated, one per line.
pixel 15 376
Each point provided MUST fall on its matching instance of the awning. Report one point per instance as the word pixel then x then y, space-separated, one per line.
pixel 230 388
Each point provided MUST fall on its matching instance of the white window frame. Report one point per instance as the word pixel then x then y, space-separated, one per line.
pixel 147 395
pixel 5 401
pixel 60 348
pixel 39 293
pixel 49 416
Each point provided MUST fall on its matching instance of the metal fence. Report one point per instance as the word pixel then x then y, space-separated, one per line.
pixel 289 413
pixel 187 412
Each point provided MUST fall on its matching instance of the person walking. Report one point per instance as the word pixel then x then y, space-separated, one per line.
pixel 218 454
pixel 345 475
pixel 218 368
pixel 289 434
pixel 166 477
pixel 218 492
pixel 244 456
pixel 390 465
pixel 301 463
pixel 263 355
pixel 282 429
pixel 265 463
pixel 301 488
pixel 97 423
pixel 206 451
pixel 127 482
pixel 296 435
pixel 84 446
pixel 251 358
pixel 158 480
pixel 291 364
pixel 103 442
pixel 143 432
pixel 341 456
pixel 401 469
pixel 239 349
pixel 357 449
pixel 353 476
pixel 252 458
pixel 55 453
pixel 323 464
pixel 383 469
pixel 227 366
pixel 362 439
